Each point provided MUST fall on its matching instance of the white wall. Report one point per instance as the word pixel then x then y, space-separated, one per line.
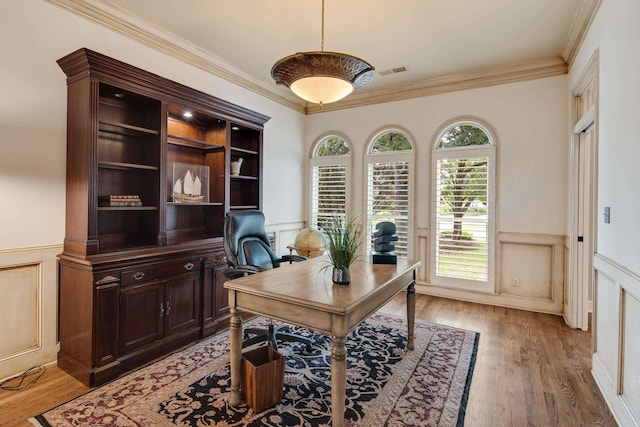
pixel 615 34
pixel 530 120
pixel 33 35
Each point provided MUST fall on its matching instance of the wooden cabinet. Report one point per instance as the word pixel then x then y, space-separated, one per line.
pixel 148 184
pixel 155 309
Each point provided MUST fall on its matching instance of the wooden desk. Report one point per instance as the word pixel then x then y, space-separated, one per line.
pixel 302 294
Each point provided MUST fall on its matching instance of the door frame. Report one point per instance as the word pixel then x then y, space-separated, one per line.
pixel 584 107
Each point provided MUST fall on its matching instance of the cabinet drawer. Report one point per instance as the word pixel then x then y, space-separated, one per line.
pixel 147 273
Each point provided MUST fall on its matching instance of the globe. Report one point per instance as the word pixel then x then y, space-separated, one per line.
pixel 309 243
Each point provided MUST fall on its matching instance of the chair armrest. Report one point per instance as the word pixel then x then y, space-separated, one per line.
pixel 234 273
pixel 293 258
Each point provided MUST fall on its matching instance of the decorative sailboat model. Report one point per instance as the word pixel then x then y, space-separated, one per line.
pixel 188 188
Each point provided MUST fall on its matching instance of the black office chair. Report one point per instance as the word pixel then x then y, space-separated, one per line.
pixel 248 251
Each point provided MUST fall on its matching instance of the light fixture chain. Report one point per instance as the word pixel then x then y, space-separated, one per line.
pixel 322 77
pixel 322 35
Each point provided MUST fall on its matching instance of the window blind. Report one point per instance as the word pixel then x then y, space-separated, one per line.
pixel 329 194
pixel 462 225
pixel 388 200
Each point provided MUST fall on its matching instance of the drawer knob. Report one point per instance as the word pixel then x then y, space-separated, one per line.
pixel 188 266
pixel 138 275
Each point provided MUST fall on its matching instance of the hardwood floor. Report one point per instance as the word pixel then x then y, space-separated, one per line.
pixel 531 370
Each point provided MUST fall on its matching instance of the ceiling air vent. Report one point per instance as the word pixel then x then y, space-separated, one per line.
pixel 393 71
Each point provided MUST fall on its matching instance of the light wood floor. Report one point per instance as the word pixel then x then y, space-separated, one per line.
pixel 531 370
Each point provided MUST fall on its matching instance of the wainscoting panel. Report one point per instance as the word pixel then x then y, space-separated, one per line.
pixel 530 272
pixel 616 346
pixel 422 252
pixel 606 325
pixel 527 270
pixel 28 308
pixel 20 309
pixel 631 354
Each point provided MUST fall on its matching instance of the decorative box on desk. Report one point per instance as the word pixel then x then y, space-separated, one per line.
pixel 189 183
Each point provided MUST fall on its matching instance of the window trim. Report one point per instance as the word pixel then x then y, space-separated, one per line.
pixel 391 157
pixel 337 160
pixel 439 153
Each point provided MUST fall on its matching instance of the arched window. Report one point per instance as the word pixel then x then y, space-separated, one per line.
pixel 463 207
pixel 329 165
pixel 389 176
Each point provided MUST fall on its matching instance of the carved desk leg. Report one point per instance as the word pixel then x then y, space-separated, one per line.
pixel 411 313
pixel 338 380
pixel 235 334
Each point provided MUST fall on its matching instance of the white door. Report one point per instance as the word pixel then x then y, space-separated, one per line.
pixel 584 220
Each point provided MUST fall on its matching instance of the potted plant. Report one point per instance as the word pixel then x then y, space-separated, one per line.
pixel 343 239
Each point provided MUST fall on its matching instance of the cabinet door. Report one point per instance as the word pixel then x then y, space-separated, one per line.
pixel 142 310
pixel 208 295
pixel 182 303
pixel 221 294
pixel 107 294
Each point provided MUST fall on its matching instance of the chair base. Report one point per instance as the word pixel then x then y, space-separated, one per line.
pixel 254 336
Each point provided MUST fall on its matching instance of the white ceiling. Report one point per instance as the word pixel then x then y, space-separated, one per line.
pixel 434 39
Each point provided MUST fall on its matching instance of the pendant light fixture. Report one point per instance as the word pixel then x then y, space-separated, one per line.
pixel 322 77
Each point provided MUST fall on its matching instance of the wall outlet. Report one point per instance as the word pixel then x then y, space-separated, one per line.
pixel 516 282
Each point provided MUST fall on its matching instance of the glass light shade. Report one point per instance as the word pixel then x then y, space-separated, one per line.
pixel 321 89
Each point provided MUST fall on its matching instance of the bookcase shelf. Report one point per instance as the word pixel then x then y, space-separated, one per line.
pixel 125 166
pixel 243 151
pixel 127 208
pixel 193 143
pixel 194 204
pixel 124 129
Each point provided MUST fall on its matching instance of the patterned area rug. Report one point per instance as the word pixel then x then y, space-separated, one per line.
pixel 386 385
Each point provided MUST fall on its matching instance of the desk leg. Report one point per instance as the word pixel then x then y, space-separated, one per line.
pixel 411 314
pixel 235 335
pixel 338 380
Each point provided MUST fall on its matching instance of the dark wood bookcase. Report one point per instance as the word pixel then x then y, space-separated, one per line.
pixel 142 269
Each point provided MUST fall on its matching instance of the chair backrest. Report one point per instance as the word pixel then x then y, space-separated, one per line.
pixel 246 241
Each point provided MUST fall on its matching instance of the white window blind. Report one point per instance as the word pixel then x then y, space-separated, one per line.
pixel 462 218
pixel 388 200
pixel 329 194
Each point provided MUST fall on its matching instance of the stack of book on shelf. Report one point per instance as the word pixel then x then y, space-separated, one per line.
pixel 120 201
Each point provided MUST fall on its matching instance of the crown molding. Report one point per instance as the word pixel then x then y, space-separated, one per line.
pixel 118 20
pixel 476 79
pixel 582 20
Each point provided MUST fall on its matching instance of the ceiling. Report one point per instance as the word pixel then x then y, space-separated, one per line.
pixel 444 44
